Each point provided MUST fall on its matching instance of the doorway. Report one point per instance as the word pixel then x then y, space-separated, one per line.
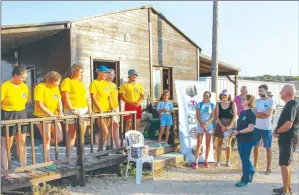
pixel 110 65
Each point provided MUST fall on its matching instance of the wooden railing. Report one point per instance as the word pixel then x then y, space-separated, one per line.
pixel 79 139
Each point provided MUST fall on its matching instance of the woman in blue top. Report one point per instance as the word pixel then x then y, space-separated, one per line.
pixel 205 113
pixel 244 133
pixel 164 108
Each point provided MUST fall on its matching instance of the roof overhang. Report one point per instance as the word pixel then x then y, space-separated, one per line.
pixel 14 36
pixel 224 69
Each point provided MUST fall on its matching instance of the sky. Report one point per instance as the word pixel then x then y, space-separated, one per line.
pixel 258 37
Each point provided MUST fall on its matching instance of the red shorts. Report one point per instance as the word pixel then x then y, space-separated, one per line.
pixel 130 107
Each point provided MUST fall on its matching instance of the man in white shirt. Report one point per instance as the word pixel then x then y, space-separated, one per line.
pixel 263 127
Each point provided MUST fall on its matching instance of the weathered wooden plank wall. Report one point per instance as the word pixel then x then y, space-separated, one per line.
pixel 171 49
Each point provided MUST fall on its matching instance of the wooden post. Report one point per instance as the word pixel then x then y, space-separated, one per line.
pixel 19 144
pixel 110 132
pixel 32 143
pixel 7 145
pixel 150 51
pixel 134 125
pixel 121 130
pixel 236 84
pixel 91 134
pixel 67 137
pixel 56 139
pixel 80 149
pixel 214 68
pixel 44 141
pixel 101 134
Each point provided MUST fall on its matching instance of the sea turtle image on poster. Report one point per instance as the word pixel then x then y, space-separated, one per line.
pixel 191 91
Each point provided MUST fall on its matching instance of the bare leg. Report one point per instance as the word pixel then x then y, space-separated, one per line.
pixel 104 129
pixel 256 156
pixel 160 133
pixel 208 144
pixel 47 138
pixel 229 150
pixel 128 124
pixel 167 133
pixel 285 172
pixel 4 156
pixel 59 133
pixel 269 158
pixel 218 148
pixel 115 127
pixel 198 146
pixel 21 149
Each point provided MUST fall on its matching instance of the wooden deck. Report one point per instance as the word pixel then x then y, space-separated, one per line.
pixel 92 161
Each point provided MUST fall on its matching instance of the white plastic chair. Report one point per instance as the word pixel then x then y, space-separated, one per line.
pixel 135 137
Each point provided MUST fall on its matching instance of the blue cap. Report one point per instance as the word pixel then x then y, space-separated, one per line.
pixel 132 72
pixel 103 69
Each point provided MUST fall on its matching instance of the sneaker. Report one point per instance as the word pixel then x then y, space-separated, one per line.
pixel 194 165
pixel 268 172
pixel 51 167
pixel 206 165
pixel 158 145
pixel 228 164
pixel 241 184
pixel 253 176
pixel 218 164
pixel 166 144
pixel 280 190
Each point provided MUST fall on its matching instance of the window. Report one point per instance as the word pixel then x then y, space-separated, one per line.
pixel 162 80
pixel 31 81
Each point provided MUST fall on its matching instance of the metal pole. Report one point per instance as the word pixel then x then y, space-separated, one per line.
pixel 214 68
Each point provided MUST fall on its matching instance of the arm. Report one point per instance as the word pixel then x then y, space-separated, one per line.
pixel 88 105
pixel 234 115
pixel 43 108
pixel 95 102
pixel 110 103
pixel 212 116
pixel 260 115
pixel 285 127
pixel 123 98
pixel 198 117
pixel 248 129
pixel 140 99
pixel 66 100
pixel 59 109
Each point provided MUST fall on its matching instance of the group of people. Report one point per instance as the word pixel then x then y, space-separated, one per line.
pixel 52 99
pixel 251 122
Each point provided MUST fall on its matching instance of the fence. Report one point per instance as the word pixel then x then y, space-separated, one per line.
pixel 79 139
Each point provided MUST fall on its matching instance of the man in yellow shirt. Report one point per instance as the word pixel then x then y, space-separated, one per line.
pixel 132 93
pixel 101 101
pixel 14 96
pixel 115 107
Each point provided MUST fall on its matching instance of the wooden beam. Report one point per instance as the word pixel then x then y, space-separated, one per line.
pixel 150 52
pixel 32 29
pixel 220 74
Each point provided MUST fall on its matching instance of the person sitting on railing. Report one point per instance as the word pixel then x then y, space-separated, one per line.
pixel 132 93
pixel 14 96
pixel 48 104
pixel 115 107
pixel 101 103
pixel 75 101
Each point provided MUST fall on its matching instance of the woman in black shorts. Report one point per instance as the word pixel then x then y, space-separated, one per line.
pixel 226 115
pixel 14 96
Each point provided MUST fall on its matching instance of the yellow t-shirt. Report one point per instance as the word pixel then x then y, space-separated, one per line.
pixel 77 92
pixel 114 95
pixel 102 93
pixel 50 98
pixel 132 91
pixel 14 98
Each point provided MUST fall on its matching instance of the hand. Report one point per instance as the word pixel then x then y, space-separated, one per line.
pixel 205 129
pixel 228 127
pixel 275 135
pixel 60 115
pixel 50 114
pixel 91 113
pixel 235 133
pixel 223 128
pixel 75 113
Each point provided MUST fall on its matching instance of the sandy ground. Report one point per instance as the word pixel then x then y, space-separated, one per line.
pixel 183 180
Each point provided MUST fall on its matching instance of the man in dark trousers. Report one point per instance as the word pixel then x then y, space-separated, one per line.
pixel 287 133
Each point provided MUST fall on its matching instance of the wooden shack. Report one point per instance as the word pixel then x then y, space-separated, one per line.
pixel 140 38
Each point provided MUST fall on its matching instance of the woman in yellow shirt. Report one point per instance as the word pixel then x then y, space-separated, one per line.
pixel 101 101
pixel 48 104
pixel 14 96
pixel 75 101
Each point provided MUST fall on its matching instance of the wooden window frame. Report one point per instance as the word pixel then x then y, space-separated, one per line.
pixel 169 79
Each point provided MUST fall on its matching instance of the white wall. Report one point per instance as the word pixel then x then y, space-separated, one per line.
pixel 224 83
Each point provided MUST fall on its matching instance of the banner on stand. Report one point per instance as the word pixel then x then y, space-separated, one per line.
pixel 189 94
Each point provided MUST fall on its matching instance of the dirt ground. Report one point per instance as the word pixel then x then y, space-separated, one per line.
pixel 184 180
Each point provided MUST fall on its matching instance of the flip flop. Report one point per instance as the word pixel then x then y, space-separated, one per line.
pixel 7 178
